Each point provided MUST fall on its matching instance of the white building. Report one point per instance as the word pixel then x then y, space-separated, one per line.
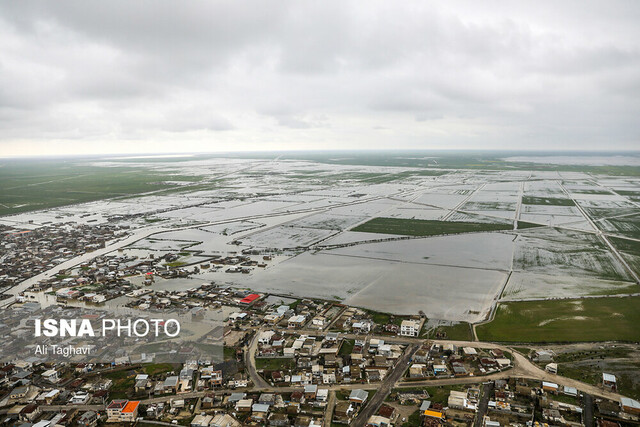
pixel 51 375
pixel 409 328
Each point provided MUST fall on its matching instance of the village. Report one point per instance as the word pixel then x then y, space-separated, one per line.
pixel 26 253
pixel 272 334
pixel 299 362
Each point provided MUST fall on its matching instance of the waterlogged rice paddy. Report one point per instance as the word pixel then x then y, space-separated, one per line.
pixel 382 233
pixel 448 293
pixel 524 285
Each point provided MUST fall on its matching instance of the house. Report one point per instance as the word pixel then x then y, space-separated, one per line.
pixel 51 375
pixel 268 399
pixel 24 393
pixel 265 337
pixel 50 396
pixel 142 382
pixel 458 369
pixel 29 412
pixel 457 399
pixel 488 422
pixel 201 420
pixel 361 327
pixel 79 398
pixel 88 419
pixel 114 410
pixel 322 394
pixel 609 381
pixel 552 415
pixel 244 405
pixel 439 369
pixel 409 328
pixel 329 378
pixel 279 420
pixel 260 408
pixel 170 384
pixel 469 351
pixel 387 411
pixel 343 412
pixel 237 316
pixel 216 378
pixel 130 411
pixel 310 391
pixel 378 421
pixel 331 336
pixel 235 398
pixel 417 370
pixel 224 420
pixel 430 413
pixel 249 299
pixel 421 356
pixel 318 322
pixel 630 406
pixel 296 321
pixel 503 362
pixel 550 387
pixel 358 396
pixel 543 356
pixel 272 318
pixel 384 349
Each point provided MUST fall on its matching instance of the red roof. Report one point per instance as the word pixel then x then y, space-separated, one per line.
pixel 249 298
pixel 131 406
pixel 117 404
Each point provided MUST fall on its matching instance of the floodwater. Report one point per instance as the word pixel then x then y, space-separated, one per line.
pixel 449 293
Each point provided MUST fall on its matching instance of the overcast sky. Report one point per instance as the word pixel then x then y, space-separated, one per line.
pixel 176 76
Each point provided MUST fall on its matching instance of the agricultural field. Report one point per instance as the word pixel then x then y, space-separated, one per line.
pixel 589 319
pixel 417 227
pixel 547 201
pixel 449 234
pixel 35 185
pixel 567 252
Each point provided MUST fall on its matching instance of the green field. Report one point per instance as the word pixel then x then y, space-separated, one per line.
pixel 420 227
pixel 274 363
pixel 547 201
pixel 347 347
pixel 590 319
pixel 160 368
pixel 524 224
pixel 27 185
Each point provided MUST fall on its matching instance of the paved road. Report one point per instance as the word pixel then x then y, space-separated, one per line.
pixel 56 408
pixel 522 366
pixel 587 406
pixel 602 235
pixel 483 405
pixel 250 362
pixel 527 369
pixel 385 388
pixel 328 414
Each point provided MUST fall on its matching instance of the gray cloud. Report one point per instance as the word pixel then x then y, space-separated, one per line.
pixel 285 75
